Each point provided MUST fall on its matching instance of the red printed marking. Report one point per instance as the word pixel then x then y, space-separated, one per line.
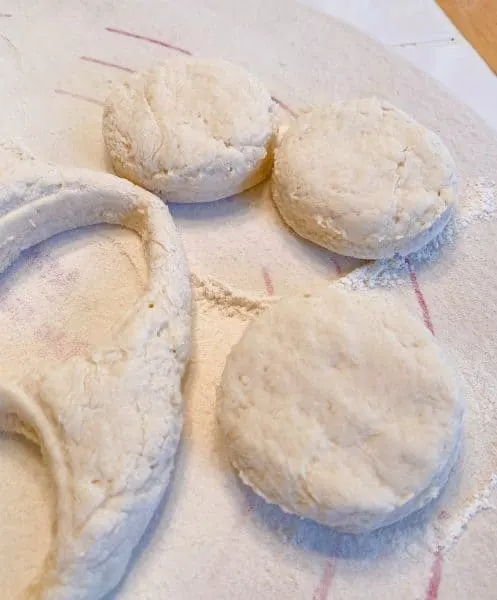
pixel 337 266
pixel 58 277
pixel 285 106
pixel 145 38
pixel 419 296
pixel 323 588
pixel 248 508
pixel 106 63
pixel 268 282
pixel 62 345
pixel 79 96
pixel 435 577
pixel 11 303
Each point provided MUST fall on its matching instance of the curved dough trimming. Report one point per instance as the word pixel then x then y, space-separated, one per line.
pixel 108 423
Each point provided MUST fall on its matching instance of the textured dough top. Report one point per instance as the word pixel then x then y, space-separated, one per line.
pixel 340 408
pixel 362 178
pixel 188 117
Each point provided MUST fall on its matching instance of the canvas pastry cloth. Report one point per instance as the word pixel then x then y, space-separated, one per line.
pixel 212 538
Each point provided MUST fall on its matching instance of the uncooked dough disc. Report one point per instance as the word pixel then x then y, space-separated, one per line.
pixel 364 179
pixel 191 130
pixel 341 408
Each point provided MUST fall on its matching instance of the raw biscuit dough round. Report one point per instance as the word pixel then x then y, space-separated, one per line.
pixel 109 422
pixel 364 179
pixel 341 408
pixel 191 130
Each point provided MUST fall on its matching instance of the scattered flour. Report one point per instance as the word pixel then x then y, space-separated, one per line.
pixel 478 202
pixel 53 282
pixel 456 527
pixel 229 300
pixel 469 491
pixel 215 540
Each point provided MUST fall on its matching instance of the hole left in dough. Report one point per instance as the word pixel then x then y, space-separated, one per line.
pixel 66 295
pixel 27 511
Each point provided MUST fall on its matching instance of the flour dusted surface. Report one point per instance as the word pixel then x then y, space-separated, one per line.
pixel 205 542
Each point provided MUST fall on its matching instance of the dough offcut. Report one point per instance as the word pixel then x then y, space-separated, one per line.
pixel 108 422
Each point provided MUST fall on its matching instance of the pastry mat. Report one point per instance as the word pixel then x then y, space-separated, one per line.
pixel 213 538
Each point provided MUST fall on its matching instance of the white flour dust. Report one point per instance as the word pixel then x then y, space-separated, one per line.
pixel 478 202
pixel 204 483
pixel 211 541
pixel 469 491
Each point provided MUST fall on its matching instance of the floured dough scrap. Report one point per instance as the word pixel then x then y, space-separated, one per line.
pixel 191 130
pixel 364 179
pixel 341 408
pixel 108 422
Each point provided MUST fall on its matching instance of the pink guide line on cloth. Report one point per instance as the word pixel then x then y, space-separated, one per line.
pixel 106 63
pixel 249 507
pixel 436 577
pixel 323 589
pixel 337 266
pixel 12 303
pixel 145 38
pixel 79 96
pixel 63 345
pixel 285 106
pixel 268 281
pixel 419 296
